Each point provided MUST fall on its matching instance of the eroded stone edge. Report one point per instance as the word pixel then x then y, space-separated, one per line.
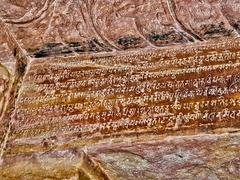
pixel 88 168
pixel 22 61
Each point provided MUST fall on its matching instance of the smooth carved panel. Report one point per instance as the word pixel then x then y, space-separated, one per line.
pixel 62 27
pixel 156 91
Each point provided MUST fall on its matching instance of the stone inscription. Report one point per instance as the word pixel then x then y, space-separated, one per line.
pixel 161 90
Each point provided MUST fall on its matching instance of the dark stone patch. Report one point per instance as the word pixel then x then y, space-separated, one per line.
pixel 77 46
pixel 128 42
pixel 52 49
pixel 52 45
pixel 162 39
pixel 97 43
pixel 212 31
pixel 237 26
pixel 40 54
pixel 49 52
pixel 15 52
pixel 21 68
pixel 190 39
pixel 92 45
pixel 74 44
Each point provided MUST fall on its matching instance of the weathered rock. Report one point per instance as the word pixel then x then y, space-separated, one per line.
pixel 190 157
pixel 7 75
pixel 202 19
pixel 101 25
pixel 202 156
pixel 133 89
pixel 231 10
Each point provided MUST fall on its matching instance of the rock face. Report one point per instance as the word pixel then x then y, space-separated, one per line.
pixel 7 75
pixel 133 89
pixel 192 157
pixel 53 27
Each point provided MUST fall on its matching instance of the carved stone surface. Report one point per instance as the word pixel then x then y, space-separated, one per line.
pixel 119 89
pixel 152 91
pixel 61 27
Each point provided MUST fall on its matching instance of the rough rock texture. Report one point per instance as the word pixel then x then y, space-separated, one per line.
pixel 192 157
pixel 7 76
pixel 53 27
pixel 119 89
pixel 147 157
